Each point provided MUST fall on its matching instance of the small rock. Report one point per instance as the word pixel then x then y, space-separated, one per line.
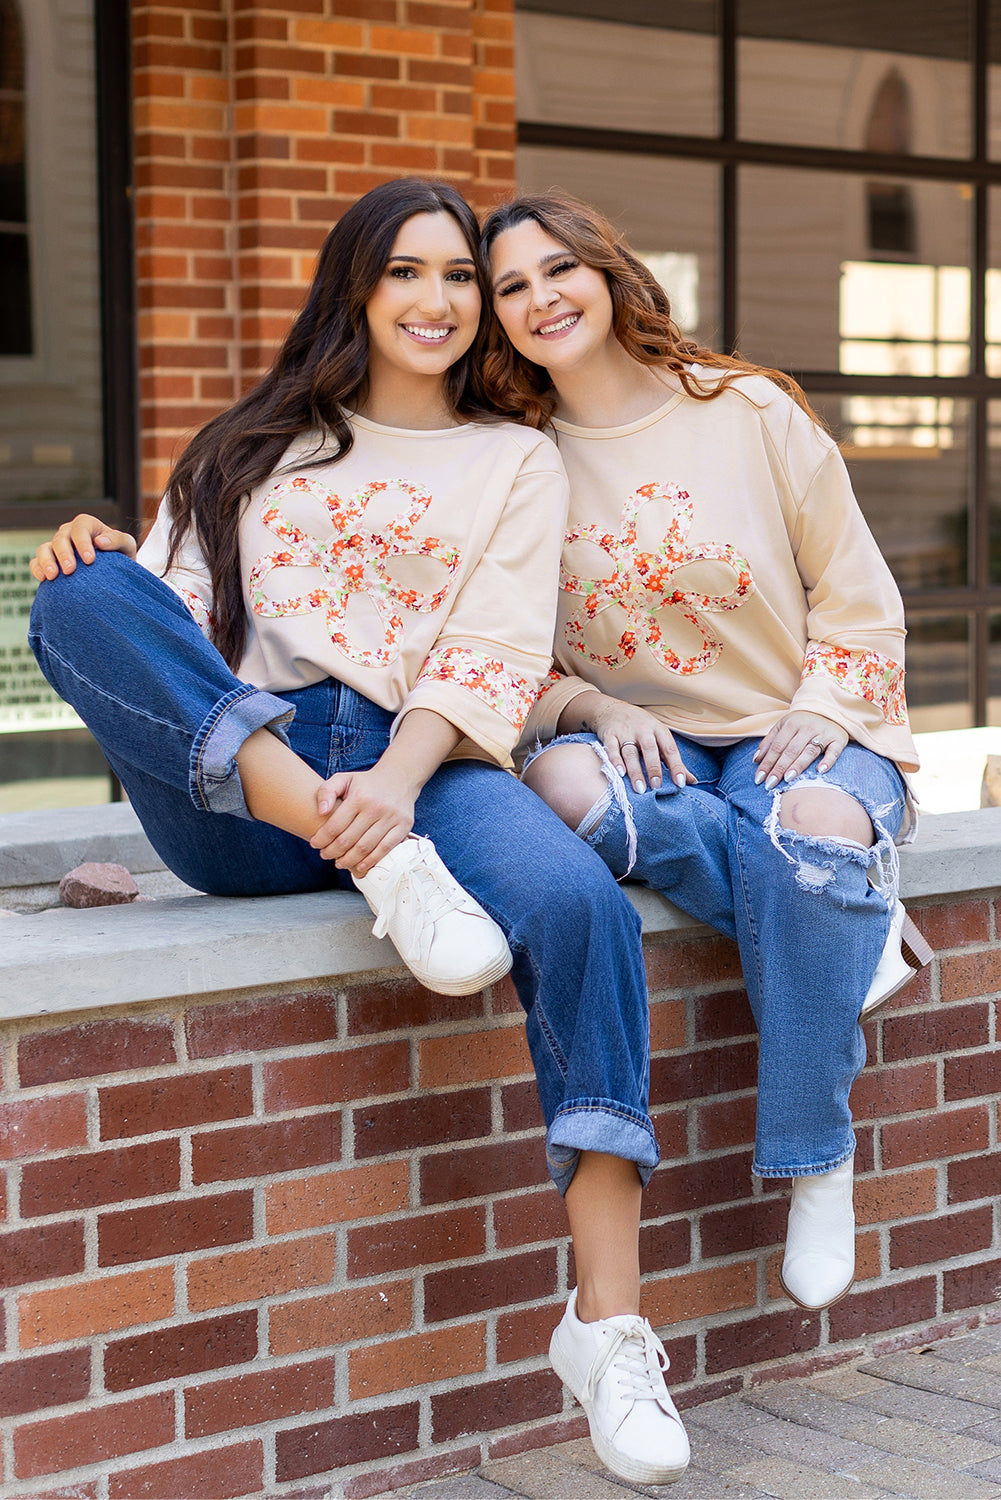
pixel 97 885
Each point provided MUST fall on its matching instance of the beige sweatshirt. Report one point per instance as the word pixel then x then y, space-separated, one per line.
pixel 421 570
pixel 718 571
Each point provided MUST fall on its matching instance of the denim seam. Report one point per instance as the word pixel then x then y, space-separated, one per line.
pixel 122 703
pixel 806 1169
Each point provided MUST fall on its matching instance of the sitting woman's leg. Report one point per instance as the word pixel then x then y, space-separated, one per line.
pixel 175 723
pixel 579 972
pixel 815 882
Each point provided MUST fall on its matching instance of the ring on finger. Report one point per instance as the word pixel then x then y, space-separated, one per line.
pixel 819 744
pixel 627 744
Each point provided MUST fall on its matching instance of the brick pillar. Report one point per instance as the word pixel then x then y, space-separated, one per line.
pixel 257 123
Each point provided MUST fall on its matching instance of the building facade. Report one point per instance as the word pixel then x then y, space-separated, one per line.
pixel 817 186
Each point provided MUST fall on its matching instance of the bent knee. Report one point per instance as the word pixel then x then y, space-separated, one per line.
pixel 569 779
pixel 825 812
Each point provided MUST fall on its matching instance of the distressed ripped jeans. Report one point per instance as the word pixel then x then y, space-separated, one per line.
pixel 810 914
pixel 170 716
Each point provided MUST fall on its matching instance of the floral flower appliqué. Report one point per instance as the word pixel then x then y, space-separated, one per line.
pixel 643 584
pixel 877 679
pixel 352 561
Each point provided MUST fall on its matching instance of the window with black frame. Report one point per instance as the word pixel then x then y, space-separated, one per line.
pixel 54 360
pixel 819 187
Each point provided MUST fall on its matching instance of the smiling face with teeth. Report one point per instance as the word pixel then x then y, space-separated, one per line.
pixel 425 310
pixel 555 310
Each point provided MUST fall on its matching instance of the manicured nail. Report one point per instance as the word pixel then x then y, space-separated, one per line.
pixel 324 805
pixel 681 779
pixel 759 778
pixel 771 783
pixel 655 782
pixel 638 785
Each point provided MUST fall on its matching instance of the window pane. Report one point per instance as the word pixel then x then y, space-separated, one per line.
pixel 908 457
pixel 938 672
pixel 993 287
pixel 15 295
pixel 667 209
pixel 856 74
pixel 994 671
pixel 574 70
pixel 994 490
pixel 816 292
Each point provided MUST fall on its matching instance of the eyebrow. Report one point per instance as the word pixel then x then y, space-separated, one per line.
pixel 455 260
pixel 546 260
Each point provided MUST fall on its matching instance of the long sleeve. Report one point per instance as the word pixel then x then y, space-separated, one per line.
pixel 189 576
pixel 495 647
pixel 853 669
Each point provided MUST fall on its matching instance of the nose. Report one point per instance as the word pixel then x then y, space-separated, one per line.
pixel 434 301
pixel 544 295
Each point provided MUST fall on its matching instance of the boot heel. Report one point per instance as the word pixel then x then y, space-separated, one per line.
pixel 914 945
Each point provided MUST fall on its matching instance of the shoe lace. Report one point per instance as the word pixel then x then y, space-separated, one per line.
pixel 430 899
pixel 639 1360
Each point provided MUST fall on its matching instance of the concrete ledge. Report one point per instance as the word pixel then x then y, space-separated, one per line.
pixel 60 960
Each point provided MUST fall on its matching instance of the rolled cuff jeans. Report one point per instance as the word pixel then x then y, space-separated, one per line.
pixel 121 647
pixel 810 914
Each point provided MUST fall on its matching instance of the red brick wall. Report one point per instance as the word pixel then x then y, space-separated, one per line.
pixel 256 123
pixel 254 1242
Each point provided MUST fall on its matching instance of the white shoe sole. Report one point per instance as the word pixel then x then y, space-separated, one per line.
pixel 468 984
pixel 626 1468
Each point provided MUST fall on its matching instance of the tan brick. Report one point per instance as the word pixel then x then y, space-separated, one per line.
pixel 400 1364
pixel 83 1309
pixel 265 1271
pixel 474 1055
pixel 697 1294
pixel 340 1317
pixel 333 1197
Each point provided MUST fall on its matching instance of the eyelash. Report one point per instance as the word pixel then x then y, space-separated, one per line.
pixel 406 273
pixel 558 269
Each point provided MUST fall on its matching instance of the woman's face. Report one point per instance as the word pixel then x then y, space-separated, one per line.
pixel 555 310
pixel 425 310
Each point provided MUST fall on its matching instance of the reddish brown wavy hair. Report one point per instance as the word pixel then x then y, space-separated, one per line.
pixel 641 315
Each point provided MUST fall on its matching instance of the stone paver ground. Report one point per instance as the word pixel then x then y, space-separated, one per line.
pixel 925 1425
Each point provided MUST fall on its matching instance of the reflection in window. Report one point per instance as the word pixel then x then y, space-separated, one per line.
pixel 678 274
pixel 15 286
pixel 903 320
pixel 938 672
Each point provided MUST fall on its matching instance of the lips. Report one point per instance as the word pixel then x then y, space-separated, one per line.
pixel 426 333
pixel 558 325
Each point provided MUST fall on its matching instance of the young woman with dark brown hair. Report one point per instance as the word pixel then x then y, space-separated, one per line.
pixel 372 557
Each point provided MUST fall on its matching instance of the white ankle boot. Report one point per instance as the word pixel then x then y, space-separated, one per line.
pixel 819 1263
pixel 904 954
pixel 444 937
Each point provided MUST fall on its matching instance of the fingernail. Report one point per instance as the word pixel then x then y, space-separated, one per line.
pixel 655 781
pixel 771 783
pixel 681 779
pixel 324 805
pixel 759 778
pixel 638 785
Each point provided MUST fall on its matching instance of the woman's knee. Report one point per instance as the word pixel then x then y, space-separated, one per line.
pixel 569 779
pixel 820 811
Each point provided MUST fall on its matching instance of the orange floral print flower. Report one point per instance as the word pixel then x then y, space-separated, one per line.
pixel 352 562
pixel 642 584
pixel 866 674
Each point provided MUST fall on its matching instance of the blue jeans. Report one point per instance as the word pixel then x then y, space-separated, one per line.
pixel 810 915
pixel 119 645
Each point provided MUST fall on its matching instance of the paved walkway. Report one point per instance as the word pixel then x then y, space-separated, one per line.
pixel 925 1425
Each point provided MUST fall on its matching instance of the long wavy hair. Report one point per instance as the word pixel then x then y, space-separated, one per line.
pixel 321 368
pixel 641 315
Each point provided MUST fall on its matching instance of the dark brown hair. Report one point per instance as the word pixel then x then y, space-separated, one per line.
pixel 641 315
pixel 320 368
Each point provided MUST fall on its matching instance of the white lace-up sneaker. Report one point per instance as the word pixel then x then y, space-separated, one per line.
pixel 615 1369
pixel 444 937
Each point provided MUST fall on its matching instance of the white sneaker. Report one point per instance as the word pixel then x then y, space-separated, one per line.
pixel 444 937
pixel 615 1369
pixel 819 1263
pixel 904 953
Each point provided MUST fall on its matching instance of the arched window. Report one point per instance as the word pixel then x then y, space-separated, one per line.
pixel 15 275
pixel 891 205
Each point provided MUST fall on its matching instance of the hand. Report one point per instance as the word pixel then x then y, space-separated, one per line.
pixel 794 743
pixel 80 536
pixel 370 812
pixel 634 741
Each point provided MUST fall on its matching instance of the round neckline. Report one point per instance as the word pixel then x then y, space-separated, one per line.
pixel 357 420
pixel 572 430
